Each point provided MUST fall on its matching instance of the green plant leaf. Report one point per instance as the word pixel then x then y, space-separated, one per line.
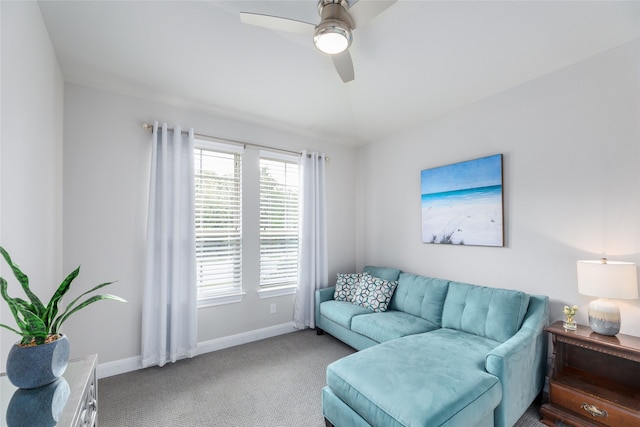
pixel 11 329
pixel 52 308
pixel 35 321
pixel 30 324
pixel 69 310
pixel 24 281
pixel 72 303
pixel 35 328
pixel 26 305
pixel 13 304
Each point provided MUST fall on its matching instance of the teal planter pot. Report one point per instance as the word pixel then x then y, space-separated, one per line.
pixel 31 367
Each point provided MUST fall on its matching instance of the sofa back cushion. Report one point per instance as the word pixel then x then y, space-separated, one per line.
pixel 386 273
pixel 493 313
pixel 421 296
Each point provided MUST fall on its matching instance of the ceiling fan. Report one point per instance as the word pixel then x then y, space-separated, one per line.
pixel 333 34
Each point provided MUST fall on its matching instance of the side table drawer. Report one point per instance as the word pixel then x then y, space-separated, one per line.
pixel 89 404
pixel 591 407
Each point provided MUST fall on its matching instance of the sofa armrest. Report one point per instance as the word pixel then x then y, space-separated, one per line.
pixel 520 363
pixel 322 295
pixel 325 294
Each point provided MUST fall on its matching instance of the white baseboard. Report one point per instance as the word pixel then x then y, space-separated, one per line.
pixel 123 366
pixel 245 337
pixel 118 367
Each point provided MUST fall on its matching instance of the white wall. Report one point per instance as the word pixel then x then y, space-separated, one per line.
pixel 571 145
pixel 30 156
pixel 106 175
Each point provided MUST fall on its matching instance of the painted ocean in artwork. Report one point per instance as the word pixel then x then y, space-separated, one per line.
pixel 462 203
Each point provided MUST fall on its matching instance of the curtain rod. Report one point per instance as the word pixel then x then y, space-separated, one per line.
pixel 147 126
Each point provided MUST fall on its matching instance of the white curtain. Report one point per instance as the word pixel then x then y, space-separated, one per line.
pixel 169 327
pixel 313 271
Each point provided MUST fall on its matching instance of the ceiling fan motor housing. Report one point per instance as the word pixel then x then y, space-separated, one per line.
pixel 335 23
pixel 335 9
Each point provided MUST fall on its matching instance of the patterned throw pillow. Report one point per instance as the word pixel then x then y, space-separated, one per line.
pixel 374 293
pixel 346 286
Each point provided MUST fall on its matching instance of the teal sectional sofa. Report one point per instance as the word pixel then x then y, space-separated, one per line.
pixel 445 353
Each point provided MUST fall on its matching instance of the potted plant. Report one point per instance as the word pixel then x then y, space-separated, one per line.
pixel 41 355
pixel 570 322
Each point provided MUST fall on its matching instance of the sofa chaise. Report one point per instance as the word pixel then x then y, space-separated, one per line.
pixel 443 353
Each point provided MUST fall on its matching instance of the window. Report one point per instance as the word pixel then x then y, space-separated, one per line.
pixel 278 221
pixel 254 190
pixel 218 220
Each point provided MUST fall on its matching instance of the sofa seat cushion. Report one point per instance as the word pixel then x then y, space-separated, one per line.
pixel 432 379
pixel 341 312
pixel 390 324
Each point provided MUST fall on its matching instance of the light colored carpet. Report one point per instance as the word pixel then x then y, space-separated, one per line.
pixel 275 382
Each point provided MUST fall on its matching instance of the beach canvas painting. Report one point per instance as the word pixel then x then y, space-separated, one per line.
pixel 462 203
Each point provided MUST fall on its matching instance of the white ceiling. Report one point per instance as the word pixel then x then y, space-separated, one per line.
pixel 415 61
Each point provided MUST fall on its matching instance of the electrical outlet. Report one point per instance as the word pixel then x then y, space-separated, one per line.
pixel 272 308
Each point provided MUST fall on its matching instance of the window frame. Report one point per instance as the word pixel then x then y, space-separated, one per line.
pixel 271 291
pixel 211 297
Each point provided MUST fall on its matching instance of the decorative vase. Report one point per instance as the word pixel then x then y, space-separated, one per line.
pixel 570 324
pixel 35 366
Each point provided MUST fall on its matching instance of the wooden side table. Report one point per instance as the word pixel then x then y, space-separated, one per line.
pixel 80 407
pixel 595 379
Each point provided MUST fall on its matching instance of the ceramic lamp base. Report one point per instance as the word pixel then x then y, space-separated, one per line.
pixel 604 317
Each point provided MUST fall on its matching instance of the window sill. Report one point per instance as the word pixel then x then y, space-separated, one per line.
pixel 211 301
pixel 277 291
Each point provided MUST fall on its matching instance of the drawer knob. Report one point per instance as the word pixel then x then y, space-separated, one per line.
pixel 594 410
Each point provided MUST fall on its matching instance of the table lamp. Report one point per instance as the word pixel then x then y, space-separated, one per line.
pixel 606 279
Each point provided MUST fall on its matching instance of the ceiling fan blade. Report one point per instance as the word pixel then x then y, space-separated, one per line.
pixel 365 10
pixel 344 65
pixel 277 23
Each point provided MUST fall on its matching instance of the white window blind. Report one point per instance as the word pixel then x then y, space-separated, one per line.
pixel 278 221
pixel 218 219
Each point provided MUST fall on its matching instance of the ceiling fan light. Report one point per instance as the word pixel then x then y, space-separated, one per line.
pixel 332 37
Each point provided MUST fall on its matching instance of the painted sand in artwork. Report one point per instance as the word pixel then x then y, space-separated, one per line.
pixel 462 203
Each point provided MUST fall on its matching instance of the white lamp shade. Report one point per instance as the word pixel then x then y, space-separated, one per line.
pixel 608 279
